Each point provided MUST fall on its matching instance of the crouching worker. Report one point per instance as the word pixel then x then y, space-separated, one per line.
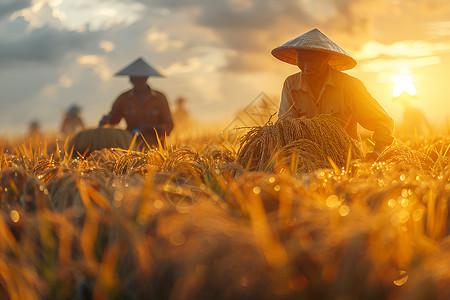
pixel 143 108
pixel 321 88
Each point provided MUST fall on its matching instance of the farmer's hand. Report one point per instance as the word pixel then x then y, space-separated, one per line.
pixel 103 121
pixel 136 131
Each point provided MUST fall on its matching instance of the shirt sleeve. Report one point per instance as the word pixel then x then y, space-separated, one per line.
pixel 369 113
pixel 286 99
pixel 116 113
pixel 165 123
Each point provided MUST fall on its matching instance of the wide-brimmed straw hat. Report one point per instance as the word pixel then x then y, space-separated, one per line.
pixel 139 68
pixel 314 40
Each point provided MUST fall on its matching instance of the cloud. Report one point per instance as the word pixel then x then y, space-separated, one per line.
pixel 44 45
pixel 407 49
pixel 11 6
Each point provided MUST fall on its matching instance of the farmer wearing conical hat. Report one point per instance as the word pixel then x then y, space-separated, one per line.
pixel 321 88
pixel 143 108
pixel 72 122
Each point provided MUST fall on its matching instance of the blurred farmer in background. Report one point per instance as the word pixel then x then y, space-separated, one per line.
pixel 414 120
pixel 72 122
pixel 143 108
pixel 180 115
pixel 321 88
pixel 34 132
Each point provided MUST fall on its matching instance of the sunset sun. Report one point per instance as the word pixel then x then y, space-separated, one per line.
pixel 403 83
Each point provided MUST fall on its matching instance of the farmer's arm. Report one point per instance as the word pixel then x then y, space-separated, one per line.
pixel 116 113
pixel 370 114
pixel 286 98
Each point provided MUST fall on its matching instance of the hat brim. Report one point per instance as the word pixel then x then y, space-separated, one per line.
pixel 338 61
pixel 316 41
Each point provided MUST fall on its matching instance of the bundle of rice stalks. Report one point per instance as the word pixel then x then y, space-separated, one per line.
pixel 404 158
pixel 305 155
pixel 89 140
pixel 260 143
pixel 104 158
pixel 139 162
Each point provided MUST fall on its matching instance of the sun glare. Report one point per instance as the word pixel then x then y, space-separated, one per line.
pixel 403 83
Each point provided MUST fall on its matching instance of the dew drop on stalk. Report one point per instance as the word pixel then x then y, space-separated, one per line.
pixel 402 278
pixel 256 190
pixel 332 201
pixel 14 215
pixel 158 204
pixel 344 210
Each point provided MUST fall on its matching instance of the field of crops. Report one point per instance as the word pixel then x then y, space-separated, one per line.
pixel 290 211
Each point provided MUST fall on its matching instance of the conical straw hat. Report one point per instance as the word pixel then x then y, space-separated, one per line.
pixel 139 68
pixel 314 40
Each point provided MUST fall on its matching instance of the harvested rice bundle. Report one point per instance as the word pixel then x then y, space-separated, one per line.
pixel 260 143
pixel 306 155
pixel 220 155
pixel 439 148
pixel 405 158
pixel 87 141
pixel 184 162
pixel 104 158
pixel 139 162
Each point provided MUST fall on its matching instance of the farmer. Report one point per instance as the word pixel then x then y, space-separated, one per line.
pixel 321 88
pixel 414 120
pixel 72 122
pixel 144 109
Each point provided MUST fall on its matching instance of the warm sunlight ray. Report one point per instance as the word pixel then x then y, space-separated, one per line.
pixel 403 83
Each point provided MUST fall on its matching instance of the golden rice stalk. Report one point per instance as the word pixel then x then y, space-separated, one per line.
pixel 439 148
pixel 441 164
pixel 261 142
pixel 12 181
pixel 405 158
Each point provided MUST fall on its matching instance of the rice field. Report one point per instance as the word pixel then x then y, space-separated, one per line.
pixel 291 210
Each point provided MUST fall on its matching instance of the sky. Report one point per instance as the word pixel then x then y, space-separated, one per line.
pixel 214 53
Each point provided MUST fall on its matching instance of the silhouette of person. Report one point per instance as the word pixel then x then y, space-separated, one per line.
pixel 321 88
pixel 72 122
pixel 180 115
pixel 34 131
pixel 414 120
pixel 143 108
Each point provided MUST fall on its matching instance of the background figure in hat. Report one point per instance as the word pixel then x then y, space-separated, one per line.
pixel 180 114
pixel 72 122
pixel 414 120
pixel 321 88
pixel 143 108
